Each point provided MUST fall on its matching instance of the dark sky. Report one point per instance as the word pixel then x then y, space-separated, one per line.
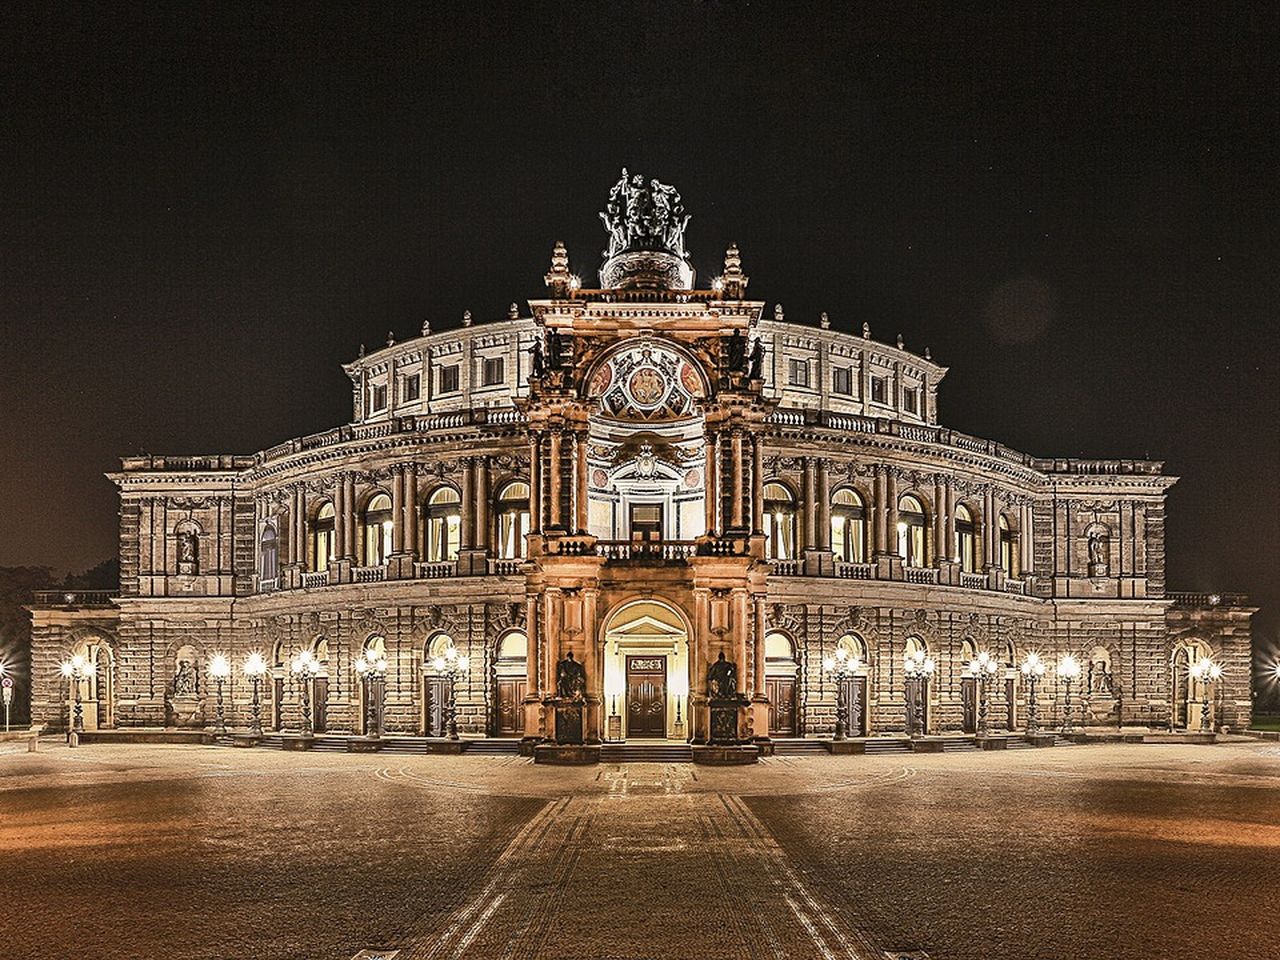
pixel 204 212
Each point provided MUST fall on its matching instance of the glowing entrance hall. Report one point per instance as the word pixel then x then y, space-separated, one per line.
pixel 646 672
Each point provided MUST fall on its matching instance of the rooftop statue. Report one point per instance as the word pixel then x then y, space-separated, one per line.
pixel 644 216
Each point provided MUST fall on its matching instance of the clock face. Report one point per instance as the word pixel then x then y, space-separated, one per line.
pixel 647 387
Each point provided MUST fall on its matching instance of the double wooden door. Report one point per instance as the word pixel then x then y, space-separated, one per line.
pixel 436 708
pixel 969 704
pixel 781 692
pixel 510 720
pixel 320 704
pixel 646 697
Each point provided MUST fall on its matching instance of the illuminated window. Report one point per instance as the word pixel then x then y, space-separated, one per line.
pixel 842 380
pixel 443 525
pixel 879 390
pixel 965 540
pixel 492 372
pixel 513 520
pixel 449 379
pixel 848 526
pixel 1008 553
pixel 380 396
pixel 779 522
pixel 377 531
pixel 798 373
pixel 268 553
pixel 909 402
pixel 322 538
pixel 411 388
pixel 911 531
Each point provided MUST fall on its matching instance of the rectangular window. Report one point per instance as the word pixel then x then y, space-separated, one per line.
pixel 879 390
pixel 492 374
pixel 798 373
pixel 380 396
pixel 449 379
pixel 842 380
pixel 909 400
pixel 411 388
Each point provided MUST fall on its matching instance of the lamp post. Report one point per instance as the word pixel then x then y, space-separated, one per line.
pixel 1033 670
pixel 219 669
pixel 842 666
pixel 305 667
pixel 984 668
pixel 255 668
pixel 77 670
pixel 373 671
pixel 916 666
pixel 1069 671
pixel 1205 671
pixel 453 666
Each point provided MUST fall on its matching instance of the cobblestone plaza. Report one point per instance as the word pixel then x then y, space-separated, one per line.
pixel 204 852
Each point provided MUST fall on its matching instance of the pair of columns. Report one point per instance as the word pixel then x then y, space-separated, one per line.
pixel 734 459
pixel 558 480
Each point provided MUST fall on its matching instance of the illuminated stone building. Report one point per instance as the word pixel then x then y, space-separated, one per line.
pixel 648 474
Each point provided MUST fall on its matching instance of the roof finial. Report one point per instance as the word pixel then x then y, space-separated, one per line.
pixel 426 326
pixel 777 313
pixel 557 278
pixel 866 330
pixel 391 338
pixel 733 282
pixel 899 341
pixel 825 320
pixel 362 350
pixel 513 311
pixel 927 354
pixel 466 318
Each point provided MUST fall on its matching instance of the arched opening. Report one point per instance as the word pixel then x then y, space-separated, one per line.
pixel 911 531
pixel 97 690
pixel 779 522
pixel 646 672
pixel 320 685
pixel 364 694
pixel 442 525
pixel 1008 548
pixel 268 555
pixel 510 668
pixel 968 686
pixel 513 520
pixel 917 689
pixel 322 538
pixel 1188 692
pixel 437 687
pixel 855 683
pixel 377 529
pixel 186 537
pixel 848 526
pixel 1009 675
pixel 966 540
pixel 781 668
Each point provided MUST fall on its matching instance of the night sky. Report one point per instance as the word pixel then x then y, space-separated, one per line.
pixel 204 212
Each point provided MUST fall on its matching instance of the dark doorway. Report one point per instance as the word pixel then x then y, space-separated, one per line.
pixel 510 708
pixel 781 692
pixel 855 699
pixel 436 708
pixel 918 696
pixel 277 703
pixel 969 704
pixel 646 696
pixel 646 522
pixel 320 704
pixel 1011 703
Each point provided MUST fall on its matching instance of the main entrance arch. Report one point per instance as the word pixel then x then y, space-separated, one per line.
pixel 646 671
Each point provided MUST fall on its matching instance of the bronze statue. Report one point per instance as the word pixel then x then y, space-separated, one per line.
pixel 737 352
pixel 571 679
pixel 722 679
pixel 756 371
pixel 539 363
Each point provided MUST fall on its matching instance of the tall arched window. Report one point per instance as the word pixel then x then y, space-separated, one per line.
pixel 443 525
pixel 513 520
pixel 911 525
pixel 779 522
pixel 377 531
pixel 848 526
pixel 965 539
pixel 1008 543
pixel 268 553
pixel 322 538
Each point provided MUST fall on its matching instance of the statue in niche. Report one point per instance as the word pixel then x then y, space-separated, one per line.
pixel 722 679
pixel 756 368
pixel 555 350
pixel 571 679
pixel 185 679
pixel 539 364
pixel 737 352
pixel 1101 682
pixel 188 553
pixel 1097 547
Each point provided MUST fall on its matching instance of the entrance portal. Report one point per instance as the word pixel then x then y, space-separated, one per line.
pixel 646 672
pixel 646 696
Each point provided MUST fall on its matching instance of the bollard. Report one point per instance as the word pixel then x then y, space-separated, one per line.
pixel 31 744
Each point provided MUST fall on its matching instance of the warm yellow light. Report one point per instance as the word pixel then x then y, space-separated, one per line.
pixel 1069 667
pixel 255 665
pixel 439 664
pixel 219 667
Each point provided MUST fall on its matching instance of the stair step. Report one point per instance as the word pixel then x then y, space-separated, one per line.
pixel 887 746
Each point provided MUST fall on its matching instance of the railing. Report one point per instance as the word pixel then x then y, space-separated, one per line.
pixel 655 551
pixel 505 568
pixel 784 568
pixel 320 579
pixel 1208 599
pixel 973 581
pixel 369 574
pixel 921 575
pixel 268 586
pixel 75 598
pixel 571 546
pixel 1015 586
pixel 437 570
pixel 847 570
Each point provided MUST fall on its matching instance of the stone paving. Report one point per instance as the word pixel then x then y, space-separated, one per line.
pixel 1077 852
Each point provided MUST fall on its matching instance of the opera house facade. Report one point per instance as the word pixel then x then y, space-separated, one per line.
pixel 656 477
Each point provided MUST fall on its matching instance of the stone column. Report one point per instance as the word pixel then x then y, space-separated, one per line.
pixel 757 485
pixel 350 506
pixel 482 535
pixel 466 509
pixel 759 651
pixel 397 509
pixel 340 517
pixel 580 476
pixel 824 505
pixel 709 482
pixel 991 527
pixel 411 509
pixel 535 482
pixel 699 645
pixel 1026 541
pixel 553 480
pixel 739 490
pixel 878 538
pixel 891 510
pixel 809 496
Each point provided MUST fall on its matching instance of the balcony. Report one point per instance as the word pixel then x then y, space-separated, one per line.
pixel 785 568
pixel 74 598
pixel 854 571
pixel 311 580
pixel 647 551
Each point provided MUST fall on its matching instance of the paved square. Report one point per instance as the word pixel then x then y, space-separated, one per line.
pixel 1076 852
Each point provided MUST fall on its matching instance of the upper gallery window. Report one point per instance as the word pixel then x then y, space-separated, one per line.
pixel 449 379
pixel 379 396
pixel 848 526
pixel 411 388
pixel 779 522
pixel 911 524
pixel 842 380
pixel 909 400
pixel 798 373
pixel 1008 543
pixel 377 531
pixel 268 553
pixel 492 373
pixel 965 539
pixel 513 520
pixel 444 525
pixel 322 538
pixel 879 389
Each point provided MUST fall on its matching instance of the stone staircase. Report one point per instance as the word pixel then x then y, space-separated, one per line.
pixel 886 745
pixel 494 747
pixel 640 751
pixel 799 747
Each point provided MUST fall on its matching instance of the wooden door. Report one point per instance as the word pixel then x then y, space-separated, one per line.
pixel 855 699
pixel 781 692
pixel 510 708
pixel 277 703
pixel 436 708
pixel 320 704
pixel 918 697
pixel 646 696
pixel 1011 703
pixel 969 704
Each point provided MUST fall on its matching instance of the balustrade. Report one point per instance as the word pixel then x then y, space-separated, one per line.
pixel 921 575
pixel 435 571
pixel 369 574
pixel 320 579
pixel 853 571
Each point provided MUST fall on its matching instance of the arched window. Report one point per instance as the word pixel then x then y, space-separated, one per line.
pixel 778 647
pixel 375 647
pixel 268 553
pixel 1008 542
pixel 443 525
pixel 513 520
pixel 911 522
pixel 966 555
pixel 322 538
pixel 377 531
pixel 853 645
pixel 914 647
pixel 848 526
pixel 779 522
pixel 513 648
pixel 968 653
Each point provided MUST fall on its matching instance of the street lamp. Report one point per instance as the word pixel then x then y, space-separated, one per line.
pixel 984 667
pixel 219 669
pixel 373 671
pixel 255 668
pixel 1033 670
pixel 1069 671
pixel 842 666
pixel 452 665
pixel 306 668
pixel 77 670
pixel 916 666
pixel 1205 671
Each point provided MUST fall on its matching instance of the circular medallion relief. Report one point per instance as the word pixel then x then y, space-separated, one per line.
pixel 690 380
pixel 599 479
pixel 692 479
pixel 601 380
pixel 647 387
